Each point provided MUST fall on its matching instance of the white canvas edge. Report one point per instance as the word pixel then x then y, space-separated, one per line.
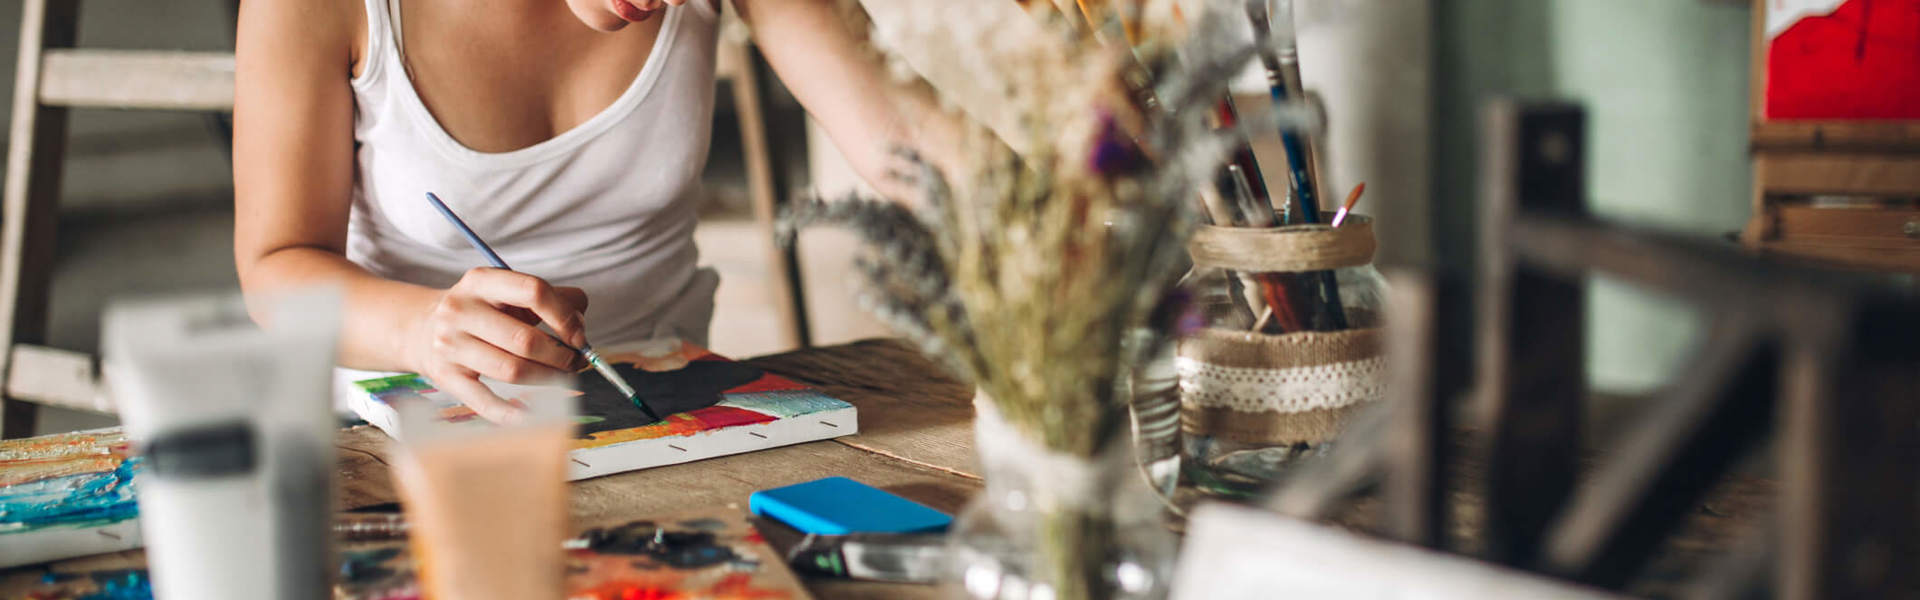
pixel 588 463
pixel 47 545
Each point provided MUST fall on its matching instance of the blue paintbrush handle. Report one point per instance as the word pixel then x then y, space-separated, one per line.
pixel 472 238
pixel 1303 188
pixel 586 350
pixel 494 259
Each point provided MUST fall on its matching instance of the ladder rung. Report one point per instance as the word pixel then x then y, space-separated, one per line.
pixel 55 377
pixel 137 79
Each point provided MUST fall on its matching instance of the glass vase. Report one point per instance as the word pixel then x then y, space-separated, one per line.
pixel 1153 392
pixel 1053 526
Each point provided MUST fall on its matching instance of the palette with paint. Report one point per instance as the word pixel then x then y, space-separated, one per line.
pixel 712 406
pixel 67 495
pixel 706 555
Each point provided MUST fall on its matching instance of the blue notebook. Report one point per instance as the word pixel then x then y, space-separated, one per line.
pixel 839 506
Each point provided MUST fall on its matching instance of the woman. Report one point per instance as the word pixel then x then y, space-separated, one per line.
pixel 570 135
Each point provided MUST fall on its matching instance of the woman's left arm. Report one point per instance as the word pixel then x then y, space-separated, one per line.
pixel 826 62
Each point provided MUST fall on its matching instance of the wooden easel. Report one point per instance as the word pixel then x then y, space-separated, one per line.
pixel 1797 159
pixel 52 75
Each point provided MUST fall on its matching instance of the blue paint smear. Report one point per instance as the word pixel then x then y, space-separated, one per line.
pixel 121 585
pixel 82 500
pixel 785 404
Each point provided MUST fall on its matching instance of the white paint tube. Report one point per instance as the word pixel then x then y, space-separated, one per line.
pixel 235 434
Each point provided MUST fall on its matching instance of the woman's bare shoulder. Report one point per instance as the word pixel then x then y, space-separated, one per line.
pixel 319 29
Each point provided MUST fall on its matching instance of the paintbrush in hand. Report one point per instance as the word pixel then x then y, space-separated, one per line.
pixel 586 350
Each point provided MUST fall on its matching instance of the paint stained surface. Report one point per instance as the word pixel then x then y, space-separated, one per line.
pixel 715 555
pixel 104 584
pixel 708 555
pixel 70 481
pixel 694 390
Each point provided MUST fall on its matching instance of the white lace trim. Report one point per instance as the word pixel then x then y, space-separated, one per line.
pixel 1285 390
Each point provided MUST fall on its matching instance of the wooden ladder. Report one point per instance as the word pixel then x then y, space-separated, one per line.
pixel 53 75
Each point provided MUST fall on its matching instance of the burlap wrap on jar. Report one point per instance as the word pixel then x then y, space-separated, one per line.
pixel 1280 389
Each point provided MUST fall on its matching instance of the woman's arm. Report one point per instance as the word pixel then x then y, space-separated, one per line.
pixel 293 178
pixel 824 60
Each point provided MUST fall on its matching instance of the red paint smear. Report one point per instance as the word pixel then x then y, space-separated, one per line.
pixel 736 586
pixel 721 417
pixel 740 585
pixel 683 424
pixel 1861 62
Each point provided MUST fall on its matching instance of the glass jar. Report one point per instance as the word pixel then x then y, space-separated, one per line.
pixel 1290 348
pixel 1057 526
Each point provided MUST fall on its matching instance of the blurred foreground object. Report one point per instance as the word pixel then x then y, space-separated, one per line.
pixel 235 428
pixel 1032 265
pixel 487 506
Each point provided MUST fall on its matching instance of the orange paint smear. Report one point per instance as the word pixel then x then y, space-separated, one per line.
pixel 683 424
pixel 35 470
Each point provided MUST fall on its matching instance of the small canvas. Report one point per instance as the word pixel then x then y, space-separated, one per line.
pixel 712 406
pixel 67 495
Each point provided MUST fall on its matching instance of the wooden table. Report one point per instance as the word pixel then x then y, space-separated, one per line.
pixel 915 440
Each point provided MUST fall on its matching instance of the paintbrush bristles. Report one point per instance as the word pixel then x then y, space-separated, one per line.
pixel 1347 207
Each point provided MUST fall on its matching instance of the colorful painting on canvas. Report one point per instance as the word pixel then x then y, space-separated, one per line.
pixel 697 391
pixel 62 484
pixel 1842 59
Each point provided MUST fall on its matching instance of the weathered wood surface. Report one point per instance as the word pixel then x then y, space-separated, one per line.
pixel 916 441
pixel 909 408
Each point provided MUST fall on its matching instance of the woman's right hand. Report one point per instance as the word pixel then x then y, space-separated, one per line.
pixel 485 326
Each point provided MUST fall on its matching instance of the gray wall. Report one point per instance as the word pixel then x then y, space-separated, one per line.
pixel 124 159
pixel 1665 86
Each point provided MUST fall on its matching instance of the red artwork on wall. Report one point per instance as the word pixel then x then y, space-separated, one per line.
pixel 1861 61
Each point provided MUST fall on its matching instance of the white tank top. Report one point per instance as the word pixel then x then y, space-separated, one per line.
pixel 607 206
